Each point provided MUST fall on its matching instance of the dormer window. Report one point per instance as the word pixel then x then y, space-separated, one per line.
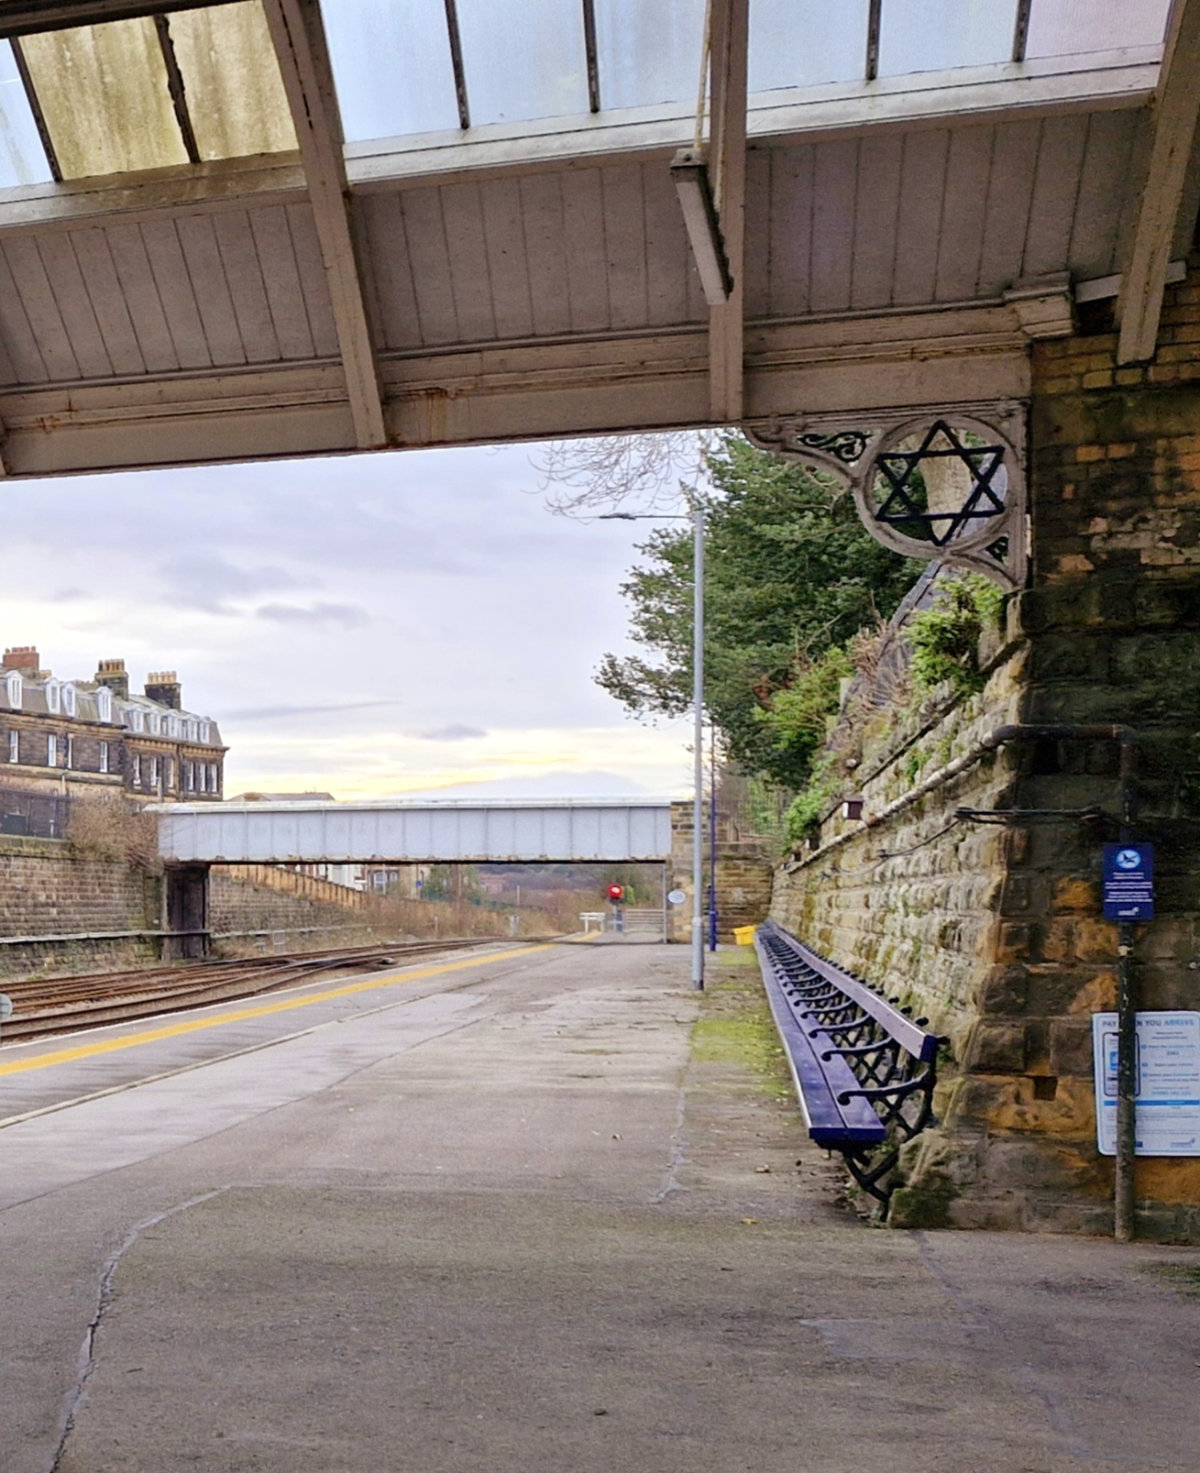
pixel 154 721
pixel 104 709
pixel 53 697
pixel 204 731
pixel 190 729
pixel 69 703
pixel 135 718
pixel 15 691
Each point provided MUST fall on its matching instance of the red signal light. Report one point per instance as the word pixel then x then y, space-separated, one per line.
pixel 616 893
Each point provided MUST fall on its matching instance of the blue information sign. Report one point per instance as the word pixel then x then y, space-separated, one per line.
pixel 1129 882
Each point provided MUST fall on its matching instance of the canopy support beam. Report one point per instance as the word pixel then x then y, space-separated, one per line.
pixel 1176 108
pixel 727 163
pixel 299 40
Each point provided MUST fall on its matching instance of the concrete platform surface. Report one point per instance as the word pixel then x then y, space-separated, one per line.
pixel 506 1217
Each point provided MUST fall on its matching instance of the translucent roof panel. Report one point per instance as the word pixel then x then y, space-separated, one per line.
pixel 931 36
pixel 649 53
pixel 1072 27
pixel 802 43
pixel 234 92
pixel 392 67
pixel 22 157
pixel 104 96
pixel 525 59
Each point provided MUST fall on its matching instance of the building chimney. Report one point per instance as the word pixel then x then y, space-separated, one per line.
pixel 163 686
pixel 112 674
pixel 23 657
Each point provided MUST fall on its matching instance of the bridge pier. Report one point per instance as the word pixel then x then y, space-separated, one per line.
pixel 185 900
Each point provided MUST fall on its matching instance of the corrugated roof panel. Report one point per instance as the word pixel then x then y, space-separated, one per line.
pixel 1074 27
pixel 234 92
pixel 803 43
pixel 22 158
pixel 931 36
pixel 523 60
pixel 392 67
pixel 648 53
pixel 104 95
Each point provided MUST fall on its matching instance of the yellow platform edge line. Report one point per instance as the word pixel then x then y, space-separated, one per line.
pixel 263 1010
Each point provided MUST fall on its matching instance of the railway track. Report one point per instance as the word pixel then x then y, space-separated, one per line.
pixel 66 1004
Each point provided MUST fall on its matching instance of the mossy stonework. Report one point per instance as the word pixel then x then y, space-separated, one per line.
pixel 994 930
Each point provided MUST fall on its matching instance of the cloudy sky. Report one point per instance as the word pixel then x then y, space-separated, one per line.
pixel 367 625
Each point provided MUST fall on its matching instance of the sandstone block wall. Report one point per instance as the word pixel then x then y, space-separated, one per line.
pixel 45 891
pixel 310 915
pixel 744 879
pixel 996 933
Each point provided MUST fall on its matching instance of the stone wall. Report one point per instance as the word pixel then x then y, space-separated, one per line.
pixel 995 932
pixel 45 891
pixel 263 910
pixel 744 876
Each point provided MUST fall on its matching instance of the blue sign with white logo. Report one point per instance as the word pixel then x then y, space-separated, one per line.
pixel 1129 882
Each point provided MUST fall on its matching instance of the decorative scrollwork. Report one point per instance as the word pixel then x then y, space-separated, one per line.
pixel 948 486
pixel 844 445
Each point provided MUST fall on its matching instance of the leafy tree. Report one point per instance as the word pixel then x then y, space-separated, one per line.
pixel 790 573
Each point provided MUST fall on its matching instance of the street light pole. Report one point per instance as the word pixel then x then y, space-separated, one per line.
pixel 698 739
pixel 698 717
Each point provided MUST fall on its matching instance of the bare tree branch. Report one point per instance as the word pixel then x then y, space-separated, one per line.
pixel 634 473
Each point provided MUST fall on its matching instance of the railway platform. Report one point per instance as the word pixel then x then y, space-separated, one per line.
pixel 524 1208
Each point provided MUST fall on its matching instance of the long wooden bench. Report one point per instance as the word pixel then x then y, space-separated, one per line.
pixel 864 1069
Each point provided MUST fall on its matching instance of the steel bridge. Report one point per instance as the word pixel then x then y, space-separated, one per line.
pixel 579 830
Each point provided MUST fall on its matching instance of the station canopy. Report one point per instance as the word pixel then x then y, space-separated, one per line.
pixel 335 203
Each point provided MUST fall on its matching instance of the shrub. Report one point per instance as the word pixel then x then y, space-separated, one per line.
pixel 945 637
pixel 108 826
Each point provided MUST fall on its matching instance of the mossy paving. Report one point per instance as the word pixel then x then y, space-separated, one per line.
pixel 735 1024
pixel 1184 1277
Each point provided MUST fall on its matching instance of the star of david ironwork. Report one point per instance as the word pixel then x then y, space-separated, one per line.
pixel 906 503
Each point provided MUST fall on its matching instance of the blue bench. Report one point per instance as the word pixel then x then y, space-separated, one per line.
pixel 864 1069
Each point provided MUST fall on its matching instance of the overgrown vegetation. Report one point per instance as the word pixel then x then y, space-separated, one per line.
pixel 110 827
pixel 735 1026
pixel 945 637
pixel 791 577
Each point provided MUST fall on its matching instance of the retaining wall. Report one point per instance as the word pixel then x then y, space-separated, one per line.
pixel 996 933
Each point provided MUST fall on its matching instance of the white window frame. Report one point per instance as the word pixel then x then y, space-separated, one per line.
pixel 51 749
pixel 202 777
pixel 204 731
pixel 69 751
pixel 14 745
pixel 16 689
pixel 135 771
pixel 104 706
pixel 214 780
pixel 103 757
pixel 136 718
pixel 70 704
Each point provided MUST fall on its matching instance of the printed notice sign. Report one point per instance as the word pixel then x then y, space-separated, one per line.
pixel 1168 1083
pixel 1129 882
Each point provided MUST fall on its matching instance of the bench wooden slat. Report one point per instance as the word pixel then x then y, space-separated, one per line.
pixel 922 1045
pixel 819 1081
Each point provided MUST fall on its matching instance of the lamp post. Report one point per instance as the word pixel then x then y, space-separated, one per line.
pixel 697 521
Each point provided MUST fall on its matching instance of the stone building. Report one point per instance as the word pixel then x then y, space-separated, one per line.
pixel 79 734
